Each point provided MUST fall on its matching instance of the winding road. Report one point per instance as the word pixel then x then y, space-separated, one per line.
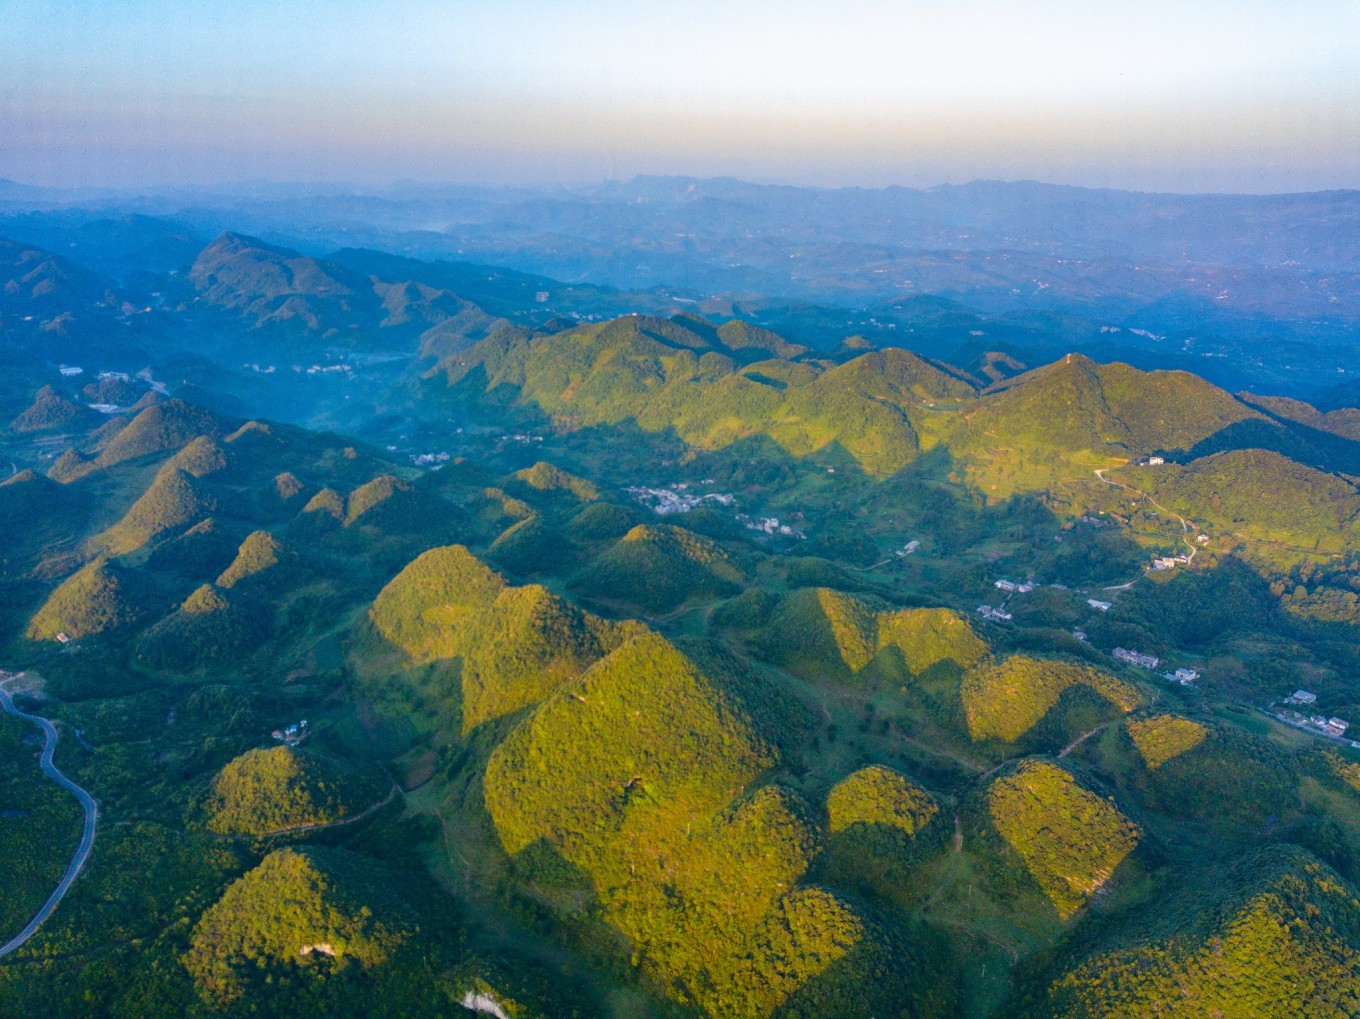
pixel 82 852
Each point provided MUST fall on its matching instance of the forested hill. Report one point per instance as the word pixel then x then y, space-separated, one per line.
pixel 715 387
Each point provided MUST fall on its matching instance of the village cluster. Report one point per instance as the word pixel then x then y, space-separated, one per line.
pixel 1335 728
pixel 680 498
pixel 998 614
pixel 1184 677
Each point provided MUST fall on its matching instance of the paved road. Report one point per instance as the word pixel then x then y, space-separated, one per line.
pixel 86 839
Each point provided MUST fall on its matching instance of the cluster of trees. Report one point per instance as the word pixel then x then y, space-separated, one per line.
pixel 1163 737
pixel 39 827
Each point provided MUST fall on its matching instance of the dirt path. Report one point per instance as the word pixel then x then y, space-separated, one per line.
pixel 1082 739
pixel 1186 525
pixel 333 824
pixel 87 802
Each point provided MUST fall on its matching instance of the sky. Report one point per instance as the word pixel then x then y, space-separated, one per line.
pixel 1191 95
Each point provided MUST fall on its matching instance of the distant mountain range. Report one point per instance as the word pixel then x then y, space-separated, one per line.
pixel 1259 292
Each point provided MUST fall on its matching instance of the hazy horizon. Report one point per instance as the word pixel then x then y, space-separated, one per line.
pixel 1189 98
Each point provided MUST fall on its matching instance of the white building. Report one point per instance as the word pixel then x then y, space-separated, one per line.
pixel 1103 606
pixel 1136 658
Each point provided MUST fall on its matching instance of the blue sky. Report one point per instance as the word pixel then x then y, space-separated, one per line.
pixel 1196 95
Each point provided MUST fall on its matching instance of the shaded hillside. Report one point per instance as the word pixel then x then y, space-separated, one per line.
pixel 1278 934
pixel 677 375
pixel 98 598
pixel 1004 700
pixel 821 633
pixel 52 410
pixel 1259 495
pixel 1076 404
pixel 341 913
pixel 658 567
pixel 879 825
pixel 210 628
pixel 1070 839
pixel 267 286
pixel 265 791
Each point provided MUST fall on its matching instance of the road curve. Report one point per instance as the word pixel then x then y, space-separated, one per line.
pixel 82 852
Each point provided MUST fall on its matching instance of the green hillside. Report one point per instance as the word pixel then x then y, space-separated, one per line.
pixel 201 457
pixel 99 598
pixel 310 911
pixel 1004 700
pixel 1162 737
pixel 663 375
pixel 258 553
pixel 52 410
pixel 210 628
pixel 158 428
pixel 276 287
pixel 1259 495
pixel 544 477
pixel 879 824
pixel 658 567
pixel 265 791
pixel 531 546
pixel 1238 784
pixel 642 737
pixel 1069 839
pixel 1278 934
pixel 515 645
pixel 1076 404
pixel 422 609
pixel 630 775
pixel 174 500
pixel 821 633
pixel 523 647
